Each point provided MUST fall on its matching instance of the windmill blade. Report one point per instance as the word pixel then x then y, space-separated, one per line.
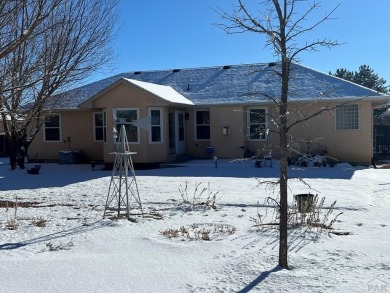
pixel 143 123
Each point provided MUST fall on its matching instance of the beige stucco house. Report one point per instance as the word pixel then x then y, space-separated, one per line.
pixel 214 111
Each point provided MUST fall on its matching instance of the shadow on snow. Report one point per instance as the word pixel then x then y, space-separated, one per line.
pixel 55 175
pixel 260 279
pixel 57 235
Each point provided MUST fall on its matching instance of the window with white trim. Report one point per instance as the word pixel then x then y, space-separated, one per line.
pixel 156 125
pixel 52 128
pixel 100 126
pixel 257 123
pixel 347 117
pixel 202 124
pixel 125 117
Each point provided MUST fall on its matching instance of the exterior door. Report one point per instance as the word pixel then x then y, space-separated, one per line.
pixel 179 133
pixel 381 142
pixel 172 133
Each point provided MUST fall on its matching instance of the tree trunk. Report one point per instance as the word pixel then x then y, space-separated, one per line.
pixel 283 241
pixel 12 154
pixel 18 146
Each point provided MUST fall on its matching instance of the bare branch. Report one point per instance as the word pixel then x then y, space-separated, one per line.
pixel 30 13
pixel 296 30
pixel 313 47
pixel 242 21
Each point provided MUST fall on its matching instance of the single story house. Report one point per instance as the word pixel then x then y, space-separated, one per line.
pixel 222 111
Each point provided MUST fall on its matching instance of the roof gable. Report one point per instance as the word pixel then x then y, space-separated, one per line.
pixel 162 91
pixel 235 84
pixel 165 93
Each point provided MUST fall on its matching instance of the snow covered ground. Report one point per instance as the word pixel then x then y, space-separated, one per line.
pixel 61 243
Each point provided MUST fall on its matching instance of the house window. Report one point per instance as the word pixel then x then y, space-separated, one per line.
pixel 125 117
pixel 257 124
pixel 155 133
pixel 202 124
pixel 52 127
pixel 347 117
pixel 100 127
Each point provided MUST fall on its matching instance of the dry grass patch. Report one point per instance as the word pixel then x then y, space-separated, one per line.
pixel 39 222
pixel 201 198
pixel 206 232
pixel 316 217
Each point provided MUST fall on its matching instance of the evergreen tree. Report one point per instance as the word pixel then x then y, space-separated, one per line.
pixel 365 77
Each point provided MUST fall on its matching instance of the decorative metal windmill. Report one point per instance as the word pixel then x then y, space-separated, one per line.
pixel 123 194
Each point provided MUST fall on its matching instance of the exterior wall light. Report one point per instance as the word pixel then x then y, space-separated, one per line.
pixel 225 130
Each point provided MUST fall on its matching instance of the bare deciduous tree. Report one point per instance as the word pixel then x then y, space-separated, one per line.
pixel 45 55
pixel 285 23
pixel 20 21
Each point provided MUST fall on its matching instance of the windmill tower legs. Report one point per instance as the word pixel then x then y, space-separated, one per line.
pixel 123 194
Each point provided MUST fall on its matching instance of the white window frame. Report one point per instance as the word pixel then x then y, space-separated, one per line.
pixel 196 125
pixel 104 126
pixel 160 125
pixel 347 122
pixel 249 123
pixel 59 128
pixel 115 112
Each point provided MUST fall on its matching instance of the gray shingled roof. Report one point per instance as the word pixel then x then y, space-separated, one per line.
pixel 236 84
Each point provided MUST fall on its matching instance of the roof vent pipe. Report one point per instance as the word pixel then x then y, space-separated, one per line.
pixel 188 87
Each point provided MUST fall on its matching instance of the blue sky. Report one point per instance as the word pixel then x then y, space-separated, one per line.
pixel 167 34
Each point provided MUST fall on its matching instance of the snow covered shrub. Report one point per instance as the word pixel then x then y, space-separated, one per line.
pixel 202 198
pixel 321 217
pixel 318 217
pixel 312 161
pixel 12 222
pixel 206 232
pixel 59 246
pixel 39 222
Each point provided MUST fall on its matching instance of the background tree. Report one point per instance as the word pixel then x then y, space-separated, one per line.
pixel 285 23
pixel 368 78
pixel 46 55
pixel 365 77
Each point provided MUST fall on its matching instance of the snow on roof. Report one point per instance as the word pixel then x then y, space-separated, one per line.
pixel 165 92
pixel 235 84
pixel 18 117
